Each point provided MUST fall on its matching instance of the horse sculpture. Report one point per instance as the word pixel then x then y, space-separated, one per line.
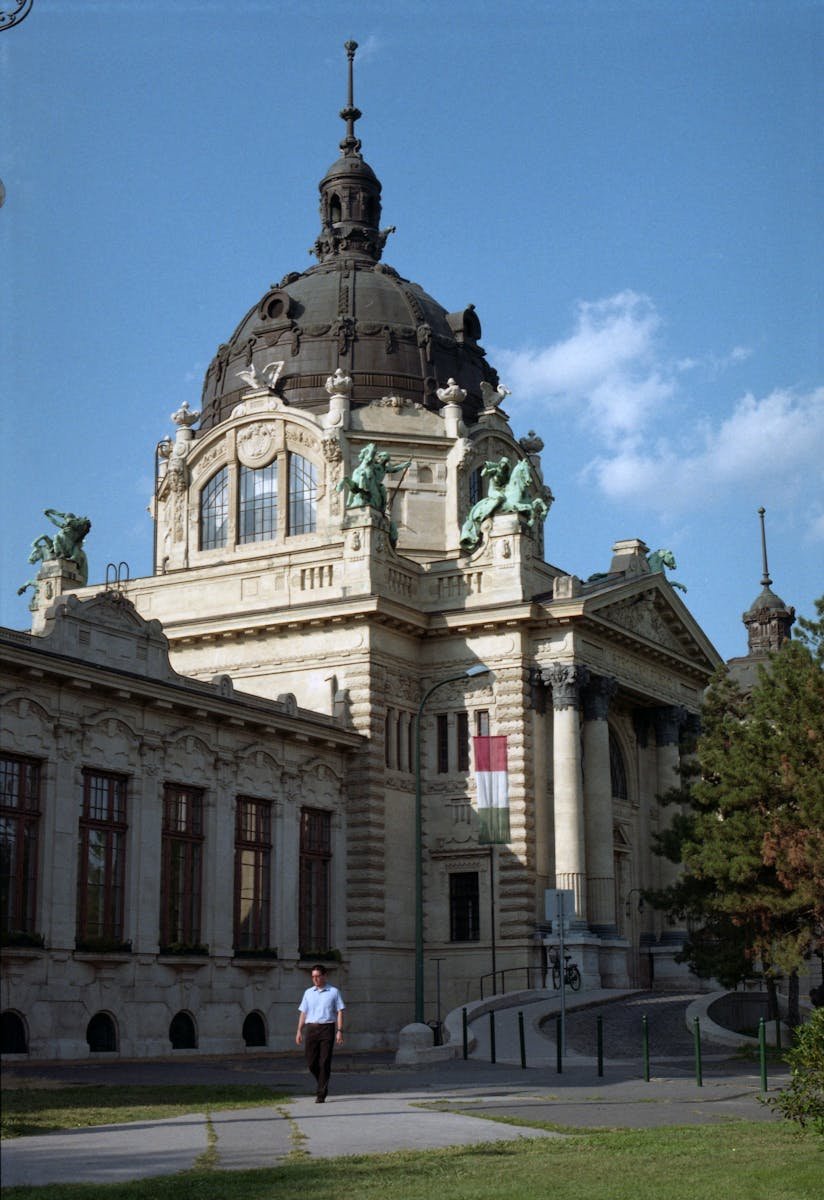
pixel 508 492
pixel 659 560
pixel 67 543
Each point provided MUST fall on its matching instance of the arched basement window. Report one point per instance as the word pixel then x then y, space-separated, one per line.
pixel 182 1033
pixel 617 770
pixel 101 1034
pixel 214 511
pixel 303 495
pixel 13 1038
pixel 254 1030
pixel 258 503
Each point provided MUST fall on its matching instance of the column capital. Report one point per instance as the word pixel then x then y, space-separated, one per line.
pixel 597 696
pixel 566 681
pixel 668 720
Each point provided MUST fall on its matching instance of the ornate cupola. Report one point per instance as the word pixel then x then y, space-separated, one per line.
pixel 768 619
pixel 350 195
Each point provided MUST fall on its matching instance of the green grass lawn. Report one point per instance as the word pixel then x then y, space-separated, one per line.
pixel 45 1110
pixel 736 1161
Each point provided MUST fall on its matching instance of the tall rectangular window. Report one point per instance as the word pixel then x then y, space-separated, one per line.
pixel 482 722
pixel 400 742
pixel 102 874
pixel 258 516
pixel 214 511
pixel 388 740
pixel 253 855
pixel 463 741
pixel 19 823
pixel 314 881
pixel 181 866
pixel 442 743
pixel 464 907
pixel 303 495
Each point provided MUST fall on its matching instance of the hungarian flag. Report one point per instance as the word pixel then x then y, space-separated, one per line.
pixel 493 788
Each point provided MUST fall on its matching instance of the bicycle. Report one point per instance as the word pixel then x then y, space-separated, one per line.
pixel 572 976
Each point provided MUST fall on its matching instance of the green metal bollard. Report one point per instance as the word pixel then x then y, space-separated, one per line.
pixel 645 1038
pixel 492 1036
pixel 521 1040
pixel 465 1026
pixel 762 1053
pixel 696 1029
pixel 599 1020
pixel 559 1052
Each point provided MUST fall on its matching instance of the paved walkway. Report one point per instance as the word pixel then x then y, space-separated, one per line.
pixel 376 1106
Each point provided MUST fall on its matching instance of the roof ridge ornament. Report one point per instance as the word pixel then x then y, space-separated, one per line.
pixel 765 574
pixel 350 114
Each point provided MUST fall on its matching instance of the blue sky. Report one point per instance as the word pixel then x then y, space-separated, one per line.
pixel 630 194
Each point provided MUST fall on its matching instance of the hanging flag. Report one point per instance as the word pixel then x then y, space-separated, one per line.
pixel 493 788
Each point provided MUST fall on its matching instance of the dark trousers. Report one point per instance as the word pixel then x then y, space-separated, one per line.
pixel 318 1046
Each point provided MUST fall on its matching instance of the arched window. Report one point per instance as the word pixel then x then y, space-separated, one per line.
pixel 101 1034
pixel 334 209
pixel 258 503
pixel 254 1030
pixel 13 1038
pixel 214 511
pixel 617 770
pixel 182 1033
pixel 303 495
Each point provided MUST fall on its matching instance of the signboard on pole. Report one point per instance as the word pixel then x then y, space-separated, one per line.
pixel 559 904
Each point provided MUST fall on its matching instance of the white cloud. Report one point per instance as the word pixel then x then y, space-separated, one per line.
pixel 646 441
pixel 776 442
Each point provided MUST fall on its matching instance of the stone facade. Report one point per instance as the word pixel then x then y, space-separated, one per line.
pixel 268 577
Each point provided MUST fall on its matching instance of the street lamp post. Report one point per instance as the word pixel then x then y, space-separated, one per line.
pixel 470 673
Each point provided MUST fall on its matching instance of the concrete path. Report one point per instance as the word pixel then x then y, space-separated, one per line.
pixel 375 1106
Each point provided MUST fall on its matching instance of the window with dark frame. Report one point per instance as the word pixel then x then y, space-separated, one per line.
pixel 314 881
pixel 253 857
pixel 258 501
pixel 399 742
pixel 214 511
pixel 410 742
pixel 442 743
pixel 482 722
pixel 303 495
pixel 463 741
pixel 181 866
pixel 388 744
pixel 102 868
pixel 19 827
pixel 464 907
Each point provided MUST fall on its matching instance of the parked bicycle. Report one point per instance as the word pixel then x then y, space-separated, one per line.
pixel 572 976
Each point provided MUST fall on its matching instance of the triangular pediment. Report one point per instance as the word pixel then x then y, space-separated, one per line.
pixel 648 611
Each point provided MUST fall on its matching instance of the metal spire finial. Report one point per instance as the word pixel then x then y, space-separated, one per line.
pixel 765 577
pixel 350 113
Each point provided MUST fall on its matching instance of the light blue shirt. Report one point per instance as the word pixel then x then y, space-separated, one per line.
pixel 320 1006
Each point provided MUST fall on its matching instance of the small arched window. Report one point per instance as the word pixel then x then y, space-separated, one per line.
pixel 182 1033
pixel 303 495
pixel 13 1039
pixel 258 503
pixel 214 511
pixel 254 1030
pixel 101 1034
pixel 617 770
pixel 334 209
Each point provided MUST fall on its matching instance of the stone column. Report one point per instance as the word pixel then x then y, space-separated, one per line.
pixel 566 681
pixel 598 807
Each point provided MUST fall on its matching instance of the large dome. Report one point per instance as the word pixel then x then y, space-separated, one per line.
pixel 350 311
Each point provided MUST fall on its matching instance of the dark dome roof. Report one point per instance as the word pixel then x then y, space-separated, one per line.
pixel 350 311
pixel 388 334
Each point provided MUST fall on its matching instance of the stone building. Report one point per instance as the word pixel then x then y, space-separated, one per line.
pixel 275 571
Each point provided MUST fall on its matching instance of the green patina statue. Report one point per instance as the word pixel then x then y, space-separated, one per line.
pixel 660 559
pixel 508 492
pixel 67 543
pixel 365 485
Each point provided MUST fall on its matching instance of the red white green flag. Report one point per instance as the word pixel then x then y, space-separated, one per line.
pixel 492 781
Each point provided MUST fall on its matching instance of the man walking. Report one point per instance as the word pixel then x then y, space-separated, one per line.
pixel 320 1027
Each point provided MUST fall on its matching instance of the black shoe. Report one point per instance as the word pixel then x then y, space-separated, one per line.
pixel 320 1099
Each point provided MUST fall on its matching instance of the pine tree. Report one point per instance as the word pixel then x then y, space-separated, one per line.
pixel 750 832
